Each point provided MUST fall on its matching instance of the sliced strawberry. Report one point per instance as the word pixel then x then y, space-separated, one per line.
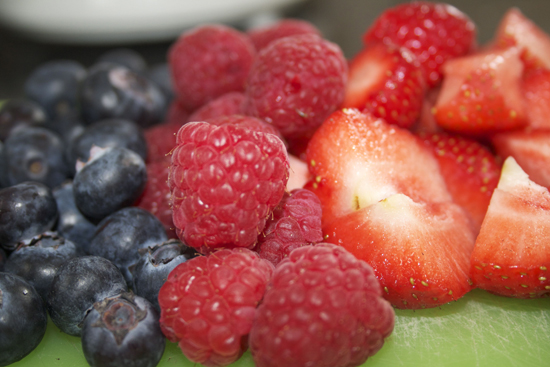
pixel 536 90
pixel 434 32
pixel 511 256
pixel 420 252
pixel 426 123
pixel 517 30
pixel 470 171
pixel 482 93
pixel 357 160
pixel 386 81
pixel 531 150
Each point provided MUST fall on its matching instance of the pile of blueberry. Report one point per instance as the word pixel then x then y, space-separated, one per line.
pixel 72 246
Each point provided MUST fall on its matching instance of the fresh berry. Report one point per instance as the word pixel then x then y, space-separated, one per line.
pixel 323 308
pixel 248 122
pixel 114 91
pixel 536 91
pixel 121 235
pixel 384 200
pixel 26 210
pixel 225 181
pixel 16 114
pixel 23 318
pixel 263 36
pixel 161 139
pixel 228 104
pixel 482 94
pixel 78 284
pixel 298 174
pixel 530 149
pixel 112 179
pixel 156 196
pixel 296 82
pixel 426 123
pixel 388 82
pixel 55 86
pixel 434 32
pixel 295 222
pixel 470 171
pixel 35 154
pixel 177 113
pixel 3 257
pixel 210 61
pixel 37 260
pixel 160 75
pixel 125 57
pixel 156 262
pixel 511 255
pixel 208 304
pixel 123 330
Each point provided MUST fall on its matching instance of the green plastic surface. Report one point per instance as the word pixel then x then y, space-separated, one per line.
pixel 479 330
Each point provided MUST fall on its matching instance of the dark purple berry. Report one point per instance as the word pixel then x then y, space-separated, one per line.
pixel 161 75
pixel 26 210
pixel 18 114
pixel 78 284
pixel 2 259
pixel 23 318
pixel 123 331
pixel 125 57
pixel 112 179
pixel 38 259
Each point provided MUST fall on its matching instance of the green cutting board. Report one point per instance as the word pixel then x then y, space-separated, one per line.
pixel 479 330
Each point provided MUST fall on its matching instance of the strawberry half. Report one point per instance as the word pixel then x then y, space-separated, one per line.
pixel 536 90
pixel 434 32
pixel 470 171
pixel 530 149
pixel 481 93
pixel 385 200
pixel 387 81
pixel 511 256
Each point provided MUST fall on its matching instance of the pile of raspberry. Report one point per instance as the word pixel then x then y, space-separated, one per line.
pixel 265 280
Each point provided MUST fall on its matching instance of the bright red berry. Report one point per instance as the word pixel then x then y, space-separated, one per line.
pixel 295 222
pixel 228 104
pixel 296 83
pixel 161 139
pixel 434 32
pixel 248 122
pixel 209 61
pixel 225 181
pixel 263 36
pixel 208 304
pixel 322 308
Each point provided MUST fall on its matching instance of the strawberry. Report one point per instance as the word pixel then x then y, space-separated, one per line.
pixel 517 30
pixel 531 150
pixel 434 32
pixel 385 201
pixel 470 171
pixel 388 82
pixel 426 121
pixel 511 256
pixel 482 94
pixel 536 90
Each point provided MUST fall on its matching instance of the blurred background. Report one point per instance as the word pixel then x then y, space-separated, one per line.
pixel 36 31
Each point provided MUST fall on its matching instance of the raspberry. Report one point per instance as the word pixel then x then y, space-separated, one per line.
pixel 322 308
pixel 296 222
pixel 161 139
pixel 296 82
pixel 225 180
pixel 228 104
pixel 209 61
pixel 156 196
pixel 208 304
pixel 263 36
pixel 177 114
pixel 249 122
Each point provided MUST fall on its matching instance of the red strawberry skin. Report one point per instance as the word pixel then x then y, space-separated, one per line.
pixel 482 93
pixel 511 256
pixel 434 32
pixel 386 81
pixel 536 90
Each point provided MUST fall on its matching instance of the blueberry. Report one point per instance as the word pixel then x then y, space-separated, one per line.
pixel 113 179
pixel 161 75
pixel 35 154
pixel 26 210
pixel 23 318
pixel 120 235
pixel 38 259
pixel 2 259
pixel 78 284
pixel 152 269
pixel 123 331
pixel 55 85
pixel 72 224
pixel 125 57
pixel 107 133
pixel 18 114
pixel 114 91
pixel 68 129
